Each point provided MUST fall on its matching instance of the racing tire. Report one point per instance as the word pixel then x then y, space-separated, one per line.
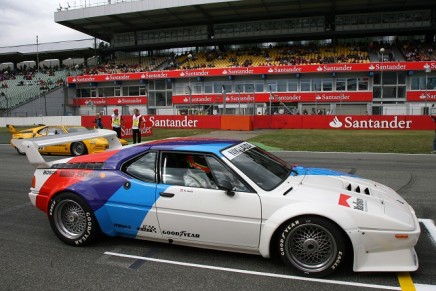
pixel 312 246
pixel 20 152
pixel 72 220
pixel 78 149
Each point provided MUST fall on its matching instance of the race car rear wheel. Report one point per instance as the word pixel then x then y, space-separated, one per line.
pixel 312 246
pixel 20 152
pixel 72 220
pixel 78 149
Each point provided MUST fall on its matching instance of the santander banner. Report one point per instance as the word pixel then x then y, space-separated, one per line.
pixel 126 127
pixel 244 71
pixel 100 101
pixel 421 96
pixel 159 121
pixel 277 97
pixel 366 122
pixel 334 122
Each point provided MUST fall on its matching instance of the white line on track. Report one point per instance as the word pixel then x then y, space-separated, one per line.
pixel 281 276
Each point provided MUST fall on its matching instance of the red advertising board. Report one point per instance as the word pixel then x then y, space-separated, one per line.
pixel 367 122
pixel 364 96
pixel 126 128
pixel 101 101
pixel 356 122
pixel 186 121
pixel 244 71
pixel 421 96
pixel 159 121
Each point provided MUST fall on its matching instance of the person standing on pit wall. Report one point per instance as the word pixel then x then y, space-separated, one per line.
pixel 137 120
pixel 98 122
pixel 434 141
pixel 117 121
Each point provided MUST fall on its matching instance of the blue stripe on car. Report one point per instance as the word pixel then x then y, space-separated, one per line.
pixel 319 172
pixel 128 207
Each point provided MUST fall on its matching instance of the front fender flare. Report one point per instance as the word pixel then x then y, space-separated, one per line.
pixel 278 218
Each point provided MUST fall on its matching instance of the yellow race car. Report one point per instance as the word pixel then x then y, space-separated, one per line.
pixel 84 147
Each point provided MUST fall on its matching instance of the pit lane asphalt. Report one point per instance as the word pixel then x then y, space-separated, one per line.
pixel 31 257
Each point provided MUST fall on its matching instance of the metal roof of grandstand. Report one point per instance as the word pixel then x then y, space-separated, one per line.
pixel 83 48
pixel 104 19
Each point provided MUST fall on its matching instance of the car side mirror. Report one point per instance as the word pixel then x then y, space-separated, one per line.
pixel 226 186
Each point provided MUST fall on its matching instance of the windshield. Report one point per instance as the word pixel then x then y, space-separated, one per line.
pixel 263 168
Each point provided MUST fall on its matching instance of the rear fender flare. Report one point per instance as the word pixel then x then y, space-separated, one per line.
pixel 103 218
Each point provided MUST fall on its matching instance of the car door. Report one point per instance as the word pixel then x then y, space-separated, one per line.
pixel 132 207
pixel 53 131
pixel 190 207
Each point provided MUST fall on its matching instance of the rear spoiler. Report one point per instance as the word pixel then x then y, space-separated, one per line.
pixel 30 145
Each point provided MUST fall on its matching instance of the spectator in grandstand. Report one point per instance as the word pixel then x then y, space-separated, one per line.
pixel 137 121
pixel 434 141
pixel 117 121
pixel 98 122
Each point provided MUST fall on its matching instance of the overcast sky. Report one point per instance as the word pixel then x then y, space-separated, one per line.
pixel 22 20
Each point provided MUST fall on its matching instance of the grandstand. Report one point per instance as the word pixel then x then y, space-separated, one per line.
pixel 163 57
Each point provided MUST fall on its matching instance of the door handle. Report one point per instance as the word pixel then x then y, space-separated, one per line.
pixel 164 194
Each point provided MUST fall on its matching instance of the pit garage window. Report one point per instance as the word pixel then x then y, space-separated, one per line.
pixel 142 168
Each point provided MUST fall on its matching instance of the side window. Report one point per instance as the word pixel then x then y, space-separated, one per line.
pixel 43 131
pixel 55 131
pixel 143 168
pixel 220 173
pixel 190 170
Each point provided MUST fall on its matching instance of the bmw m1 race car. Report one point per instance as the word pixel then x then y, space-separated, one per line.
pixel 77 148
pixel 225 195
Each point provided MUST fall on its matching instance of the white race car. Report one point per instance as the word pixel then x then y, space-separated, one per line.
pixel 226 195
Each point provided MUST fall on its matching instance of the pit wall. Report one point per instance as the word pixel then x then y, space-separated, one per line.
pixel 242 122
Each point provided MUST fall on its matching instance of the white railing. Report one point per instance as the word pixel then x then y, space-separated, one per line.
pixel 78 4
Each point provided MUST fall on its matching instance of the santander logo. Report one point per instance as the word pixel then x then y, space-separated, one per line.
pixel 335 123
pixel 382 122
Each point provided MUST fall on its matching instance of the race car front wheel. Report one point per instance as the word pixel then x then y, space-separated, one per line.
pixel 78 149
pixel 72 220
pixel 312 246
